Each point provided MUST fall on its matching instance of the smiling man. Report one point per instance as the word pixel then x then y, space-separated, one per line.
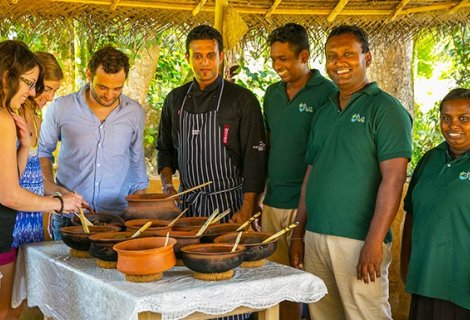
pixel 289 106
pixel 357 154
pixel 212 130
pixel 101 134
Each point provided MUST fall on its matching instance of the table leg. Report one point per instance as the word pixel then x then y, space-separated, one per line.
pixel 269 314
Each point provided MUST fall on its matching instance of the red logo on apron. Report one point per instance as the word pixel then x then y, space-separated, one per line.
pixel 225 134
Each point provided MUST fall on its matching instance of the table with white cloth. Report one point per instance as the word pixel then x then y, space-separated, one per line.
pixel 69 288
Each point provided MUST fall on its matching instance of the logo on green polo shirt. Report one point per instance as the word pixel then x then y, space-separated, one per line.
pixel 303 107
pixel 357 118
pixel 464 175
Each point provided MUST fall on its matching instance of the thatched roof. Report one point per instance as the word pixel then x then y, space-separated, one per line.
pixel 380 17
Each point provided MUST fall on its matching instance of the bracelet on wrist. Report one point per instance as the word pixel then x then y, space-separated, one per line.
pixel 61 203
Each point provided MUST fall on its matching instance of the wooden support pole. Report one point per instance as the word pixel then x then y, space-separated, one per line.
pixel 114 4
pixel 458 6
pixel 198 7
pixel 273 7
pixel 339 7
pixel 399 8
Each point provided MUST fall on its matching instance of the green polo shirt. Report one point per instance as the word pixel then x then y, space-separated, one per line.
pixel 438 199
pixel 288 123
pixel 345 149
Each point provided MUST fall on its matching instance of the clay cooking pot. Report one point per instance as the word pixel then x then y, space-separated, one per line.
pixel 151 206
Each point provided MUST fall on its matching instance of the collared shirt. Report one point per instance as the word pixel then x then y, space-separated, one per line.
pixel 103 161
pixel 345 150
pixel 438 199
pixel 240 121
pixel 288 123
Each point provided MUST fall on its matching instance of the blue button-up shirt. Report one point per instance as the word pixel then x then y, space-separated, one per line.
pixel 103 161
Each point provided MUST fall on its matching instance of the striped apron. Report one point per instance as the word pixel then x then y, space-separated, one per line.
pixel 203 157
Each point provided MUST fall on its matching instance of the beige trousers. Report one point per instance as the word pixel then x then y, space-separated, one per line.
pixel 272 221
pixel 334 260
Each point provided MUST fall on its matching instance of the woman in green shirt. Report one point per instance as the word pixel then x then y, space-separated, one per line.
pixel 436 236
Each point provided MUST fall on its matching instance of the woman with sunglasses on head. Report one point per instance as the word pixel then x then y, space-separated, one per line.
pixel 21 77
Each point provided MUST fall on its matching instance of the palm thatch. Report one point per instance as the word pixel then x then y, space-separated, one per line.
pixel 385 20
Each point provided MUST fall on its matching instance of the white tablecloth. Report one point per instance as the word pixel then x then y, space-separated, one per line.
pixel 69 288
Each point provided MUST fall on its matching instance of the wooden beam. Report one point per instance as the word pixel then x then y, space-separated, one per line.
pixel 262 11
pixel 399 8
pixel 458 6
pixel 219 15
pixel 273 7
pixel 339 7
pixel 114 4
pixel 198 7
pixel 14 1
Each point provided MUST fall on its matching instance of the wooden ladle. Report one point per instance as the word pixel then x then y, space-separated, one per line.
pixel 189 190
pixel 142 229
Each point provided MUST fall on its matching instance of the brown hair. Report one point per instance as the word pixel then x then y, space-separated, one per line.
pixel 16 59
pixel 52 70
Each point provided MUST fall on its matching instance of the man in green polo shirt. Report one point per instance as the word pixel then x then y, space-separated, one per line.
pixel 289 106
pixel 357 155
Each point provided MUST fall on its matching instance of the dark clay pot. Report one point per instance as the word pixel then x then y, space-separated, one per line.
pixel 101 219
pixel 216 230
pixel 255 249
pixel 150 206
pixel 189 223
pixel 212 257
pixel 77 239
pixel 157 225
pixel 101 246
pixel 183 238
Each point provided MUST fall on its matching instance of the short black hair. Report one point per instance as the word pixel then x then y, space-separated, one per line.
pixel 292 33
pixel 358 32
pixel 205 32
pixel 111 59
pixel 458 93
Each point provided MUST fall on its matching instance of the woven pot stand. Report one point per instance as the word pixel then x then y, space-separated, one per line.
pixel 253 264
pixel 106 264
pixel 146 278
pixel 79 254
pixel 213 276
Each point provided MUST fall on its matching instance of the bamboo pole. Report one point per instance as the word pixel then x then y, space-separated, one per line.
pixel 273 7
pixel 461 4
pixel 198 8
pixel 339 7
pixel 114 4
pixel 262 11
pixel 399 8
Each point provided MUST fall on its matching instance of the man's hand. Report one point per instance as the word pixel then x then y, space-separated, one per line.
pixel 370 262
pixel 296 253
pixel 241 215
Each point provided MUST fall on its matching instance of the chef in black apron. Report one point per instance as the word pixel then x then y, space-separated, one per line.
pixel 212 130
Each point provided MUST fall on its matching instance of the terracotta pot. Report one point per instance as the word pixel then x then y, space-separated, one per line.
pixel 216 230
pixel 151 206
pixel 212 257
pixel 189 223
pixel 77 239
pixel 183 238
pixel 157 225
pixel 255 249
pixel 101 246
pixel 101 219
pixel 145 256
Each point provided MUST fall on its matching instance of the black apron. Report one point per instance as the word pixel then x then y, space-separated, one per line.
pixel 202 157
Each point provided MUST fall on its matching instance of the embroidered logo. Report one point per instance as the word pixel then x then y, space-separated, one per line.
pixel 195 132
pixel 225 134
pixel 261 146
pixel 357 118
pixel 464 175
pixel 303 107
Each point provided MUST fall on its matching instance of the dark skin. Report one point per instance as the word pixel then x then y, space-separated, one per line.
pixel 455 127
pixel 346 65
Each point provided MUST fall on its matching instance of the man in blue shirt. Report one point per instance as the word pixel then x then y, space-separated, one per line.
pixel 101 134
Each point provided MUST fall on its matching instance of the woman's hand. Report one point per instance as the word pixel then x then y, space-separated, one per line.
pixel 72 202
pixel 22 131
